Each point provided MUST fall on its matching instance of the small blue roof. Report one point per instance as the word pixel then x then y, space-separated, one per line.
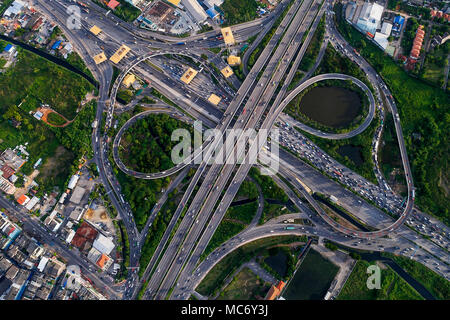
pixel 211 12
pixel 56 45
pixel 8 47
pixel 399 19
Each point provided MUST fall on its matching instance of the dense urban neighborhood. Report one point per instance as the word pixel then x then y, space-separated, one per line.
pixel 224 150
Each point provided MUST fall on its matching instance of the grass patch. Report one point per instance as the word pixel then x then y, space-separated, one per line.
pixel 27 84
pixel 215 278
pixel 245 286
pixel 55 119
pixel 438 286
pixel 393 287
pixel 424 110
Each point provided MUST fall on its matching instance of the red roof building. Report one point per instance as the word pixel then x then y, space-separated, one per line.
pixel 23 199
pixel 113 4
pixel 84 237
pixel 417 44
pixel 7 171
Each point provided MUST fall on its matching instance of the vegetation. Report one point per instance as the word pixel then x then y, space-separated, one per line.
pixel 146 146
pixel 245 286
pixel 424 110
pixel 124 11
pixel 438 286
pixel 314 47
pixel 215 50
pixel 125 96
pixel 23 88
pixel 248 190
pixel 412 10
pixel 389 152
pixel 244 213
pixel 226 230
pixel 28 85
pixel 216 276
pixel 362 141
pixel 393 287
pixel 4 5
pixel 55 119
pixel 142 200
pixel 238 11
pixel 123 246
pixel 435 65
pixel 157 229
pixel 409 34
pixel 272 210
pixel 75 60
pixel 147 100
pixel 269 188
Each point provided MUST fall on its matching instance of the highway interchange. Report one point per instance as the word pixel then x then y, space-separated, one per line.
pixel 177 266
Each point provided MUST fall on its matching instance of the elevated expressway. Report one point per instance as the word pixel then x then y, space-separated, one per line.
pixel 257 104
pixel 232 109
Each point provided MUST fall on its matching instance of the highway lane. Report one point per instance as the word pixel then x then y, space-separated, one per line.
pixel 272 76
pixel 395 246
pixel 205 188
pixel 276 13
pixel 312 19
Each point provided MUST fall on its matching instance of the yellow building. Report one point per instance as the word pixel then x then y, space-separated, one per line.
pixel 95 30
pixel 214 99
pixel 234 60
pixel 188 75
pixel 227 71
pixel 120 54
pixel 174 2
pixel 101 57
pixel 228 36
pixel 129 80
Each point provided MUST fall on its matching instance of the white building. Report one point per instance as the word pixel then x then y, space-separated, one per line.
pixel 212 3
pixel 386 28
pixel 195 10
pixel 103 244
pixel 73 181
pixel 370 17
pixel 42 264
pixel 14 8
pixel 32 203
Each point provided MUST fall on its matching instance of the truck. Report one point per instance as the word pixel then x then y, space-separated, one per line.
pixel 289 228
pixel 181 43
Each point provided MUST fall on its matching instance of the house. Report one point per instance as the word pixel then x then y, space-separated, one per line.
pixel 23 200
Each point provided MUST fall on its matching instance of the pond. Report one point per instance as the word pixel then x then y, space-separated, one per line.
pixel 334 107
pixel 313 278
pixel 278 262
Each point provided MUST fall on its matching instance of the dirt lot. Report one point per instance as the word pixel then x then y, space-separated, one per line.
pixel 99 215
